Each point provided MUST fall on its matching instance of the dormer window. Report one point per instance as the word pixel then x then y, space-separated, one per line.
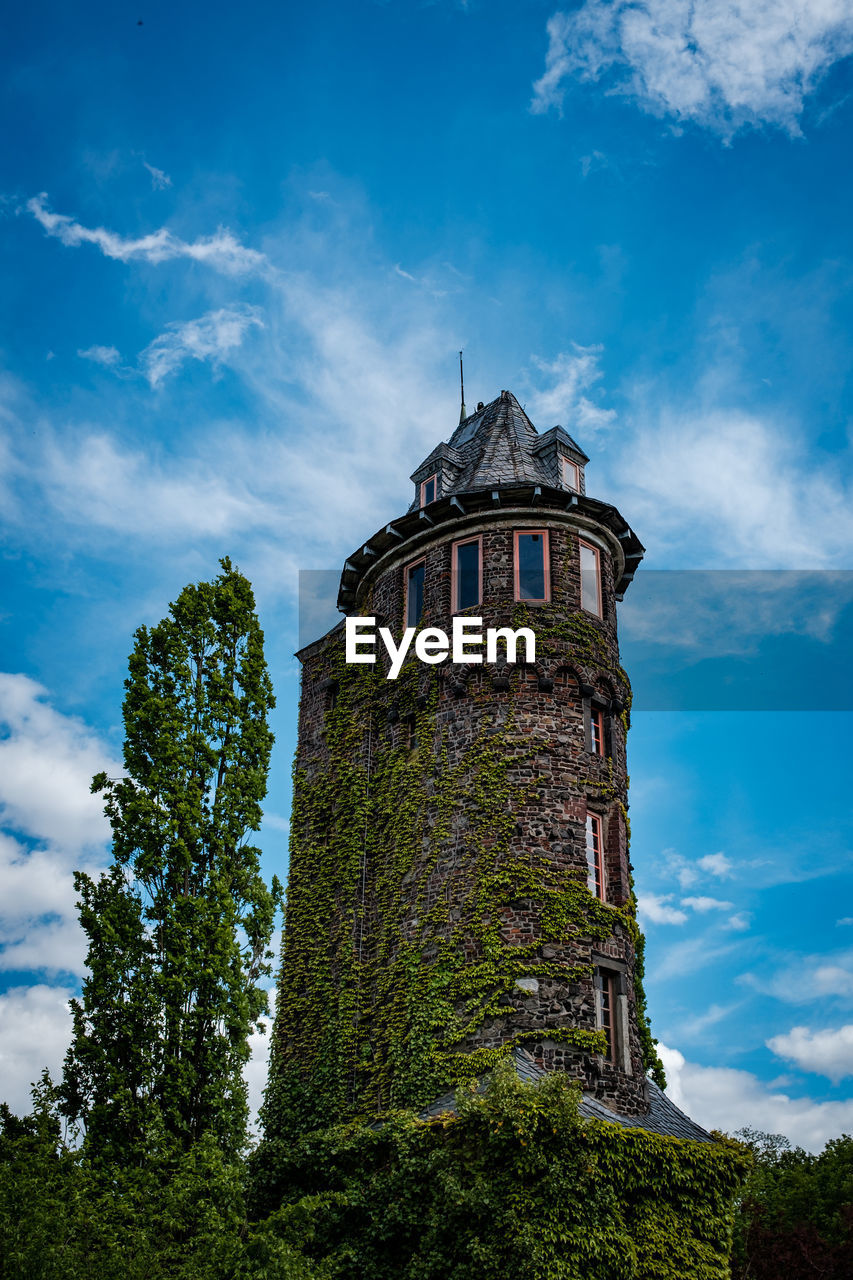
pixel 429 490
pixel 571 474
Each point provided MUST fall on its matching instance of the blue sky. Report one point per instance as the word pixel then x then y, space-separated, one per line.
pixel 241 248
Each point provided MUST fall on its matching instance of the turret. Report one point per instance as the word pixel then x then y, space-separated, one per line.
pixel 460 882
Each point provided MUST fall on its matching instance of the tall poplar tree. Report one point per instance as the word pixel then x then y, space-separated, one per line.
pixel 180 923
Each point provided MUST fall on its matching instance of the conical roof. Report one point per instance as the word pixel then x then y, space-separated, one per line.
pixel 498 444
pixel 495 444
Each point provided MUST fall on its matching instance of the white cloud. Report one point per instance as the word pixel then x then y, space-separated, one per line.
pixel 719 63
pixel 107 356
pixel 655 907
pixel 676 864
pixel 844 920
pixel 221 251
pixel 717 864
pixel 210 337
pixel 805 978
pixel 715 612
pixel 597 160
pixel 727 1099
pixel 735 483
pixel 35 1030
pixel 691 955
pixel 159 180
pixel 706 904
pixel 47 761
pixel 739 922
pixel 697 1025
pixel 95 483
pixel 828 1053
pixel 832 979
pixel 572 374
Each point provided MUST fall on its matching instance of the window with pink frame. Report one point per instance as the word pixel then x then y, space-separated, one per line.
pixel 429 490
pixel 594 855
pixel 415 575
pixel 467 573
pixel 591 579
pixel 532 570
pixel 596 726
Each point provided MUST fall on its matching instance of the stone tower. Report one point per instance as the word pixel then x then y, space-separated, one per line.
pixel 460 883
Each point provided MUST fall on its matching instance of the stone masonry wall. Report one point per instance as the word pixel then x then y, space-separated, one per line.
pixel 541 713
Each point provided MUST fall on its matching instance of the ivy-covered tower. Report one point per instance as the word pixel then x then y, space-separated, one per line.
pixel 460 882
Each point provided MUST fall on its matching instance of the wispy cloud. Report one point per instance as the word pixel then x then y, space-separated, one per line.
pixel 801 979
pixel 222 251
pixel 719 63
pixel 107 356
pixel 703 905
pixel 736 483
pixel 571 375
pixel 695 1027
pixel 717 864
pixel 210 337
pixel 159 180
pixel 828 1053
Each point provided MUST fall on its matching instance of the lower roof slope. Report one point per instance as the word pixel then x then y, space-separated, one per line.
pixel 663 1116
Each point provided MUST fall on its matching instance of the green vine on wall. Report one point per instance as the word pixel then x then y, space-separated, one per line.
pixel 394 966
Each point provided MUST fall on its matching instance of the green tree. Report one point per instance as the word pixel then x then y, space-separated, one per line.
pixel 795 1215
pixel 180 923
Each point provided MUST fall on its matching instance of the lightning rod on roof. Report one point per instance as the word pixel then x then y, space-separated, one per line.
pixel 462 414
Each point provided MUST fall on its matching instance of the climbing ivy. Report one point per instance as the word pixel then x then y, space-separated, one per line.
pixel 386 980
pixel 514 1182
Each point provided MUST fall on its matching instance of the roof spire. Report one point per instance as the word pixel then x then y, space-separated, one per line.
pixel 462 414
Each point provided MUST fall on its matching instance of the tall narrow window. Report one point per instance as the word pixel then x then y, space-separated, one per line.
pixel 429 490
pixel 532 574
pixel 467 574
pixel 571 475
pixel 607 992
pixel 594 856
pixel 415 574
pixel 596 727
pixel 591 579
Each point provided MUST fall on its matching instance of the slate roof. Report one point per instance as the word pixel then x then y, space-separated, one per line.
pixel 663 1116
pixel 494 458
pixel 499 445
